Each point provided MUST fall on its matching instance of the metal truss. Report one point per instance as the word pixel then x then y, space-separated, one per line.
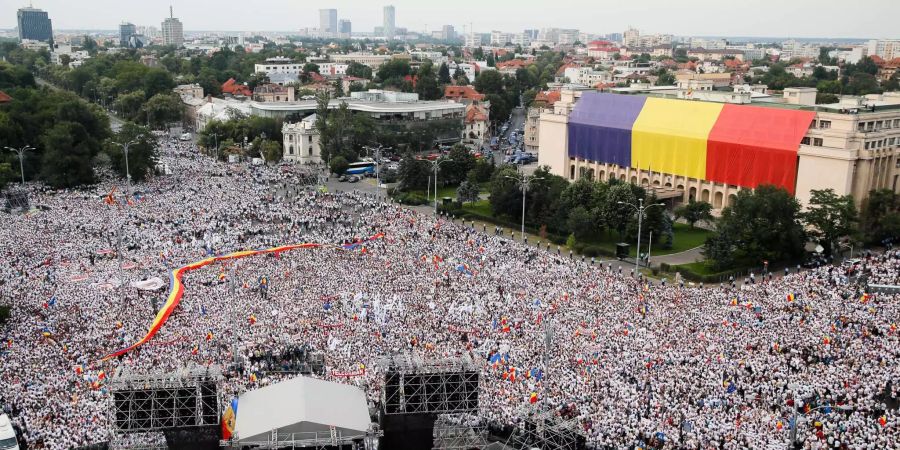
pixel 309 440
pixel 187 398
pixel 16 199
pixel 546 431
pixel 435 386
pixel 459 432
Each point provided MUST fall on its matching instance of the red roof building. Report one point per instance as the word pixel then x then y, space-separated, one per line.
pixel 234 88
pixel 548 98
pixel 462 94
pixel 4 97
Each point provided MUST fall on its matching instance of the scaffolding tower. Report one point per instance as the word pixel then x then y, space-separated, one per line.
pixel 546 431
pixel 151 402
pixel 414 385
pixel 459 432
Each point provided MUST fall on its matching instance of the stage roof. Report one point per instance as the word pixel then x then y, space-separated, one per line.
pixel 301 405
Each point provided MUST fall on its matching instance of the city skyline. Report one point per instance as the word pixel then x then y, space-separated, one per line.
pixel 800 19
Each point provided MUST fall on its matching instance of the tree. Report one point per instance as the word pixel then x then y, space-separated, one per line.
pixel 489 82
pixel 427 86
pixel 444 74
pixel 129 105
pixel 694 212
pixel 355 69
pixel 156 81
pixel 161 109
pixel 616 210
pixel 829 217
pixel 761 225
pixel 395 68
pixel 64 60
pixel 457 168
pixel 310 68
pixel 413 174
pixel 467 192
pixel 580 223
pixel 68 152
pixel 338 165
pixel 141 152
pixel 460 78
pixel 506 194
pixel 880 216
pixel 338 89
pixel 270 150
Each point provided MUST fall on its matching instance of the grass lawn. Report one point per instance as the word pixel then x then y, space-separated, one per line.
pixel 685 237
pixel 450 191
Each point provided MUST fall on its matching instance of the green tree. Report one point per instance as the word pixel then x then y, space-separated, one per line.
pixel 310 68
pixel 68 152
pixel 694 211
pixel 427 86
pixel 460 78
pixel 616 211
pixel 444 74
pixel 338 165
pixel 489 82
pixel 157 81
pixel 161 109
pixel 270 149
pixel 880 216
pixel 338 89
pixel 580 223
pixel 395 68
pixel 829 217
pixel 457 168
pixel 506 194
pixel 355 69
pixel 129 105
pixel 467 192
pixel 142 155
pixel 482 171
pixel 761 225
pixel 413 173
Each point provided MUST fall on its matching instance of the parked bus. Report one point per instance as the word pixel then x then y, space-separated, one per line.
pixel 361 168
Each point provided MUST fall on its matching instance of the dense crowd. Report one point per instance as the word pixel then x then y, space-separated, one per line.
pixel 630 363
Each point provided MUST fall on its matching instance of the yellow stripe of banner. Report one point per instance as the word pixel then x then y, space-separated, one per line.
pixel 670 136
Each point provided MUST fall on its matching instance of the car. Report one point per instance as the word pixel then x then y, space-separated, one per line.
pixel 185 136
pixel 343 178
pixel 433 156
pixel 355 179
pixel 393 166
pixel 7 434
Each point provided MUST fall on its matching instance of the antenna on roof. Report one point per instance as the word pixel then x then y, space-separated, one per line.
pixel 171 14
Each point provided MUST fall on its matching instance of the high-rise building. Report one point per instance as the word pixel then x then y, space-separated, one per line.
pixel 532 35
pixel 34 24
pixel 886 49
pixel 389 21
pixel 345 28
pixel 328 21
pixel 631 38
pixel 473 40
pixel 126 31
pixel 172 30
pixel 448 33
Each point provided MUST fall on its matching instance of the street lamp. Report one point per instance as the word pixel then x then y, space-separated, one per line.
pixel 434 165
pixel 216 137
pixel 640 210
pixel 524 181
pixel 125 147
pixel 21 152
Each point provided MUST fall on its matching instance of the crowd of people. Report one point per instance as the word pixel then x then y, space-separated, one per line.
pixel 627 362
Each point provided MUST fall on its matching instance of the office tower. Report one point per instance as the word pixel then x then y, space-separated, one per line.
pixel 172 31
pixel 328 21
pixel 126 31
pixel 389 21
pixel 34 24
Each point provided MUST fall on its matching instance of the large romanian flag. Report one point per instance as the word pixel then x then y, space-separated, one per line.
pixel 733 144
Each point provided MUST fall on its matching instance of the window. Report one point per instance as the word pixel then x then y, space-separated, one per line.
pixel 310 139
pixel 867 145
pixel 812 124
pixel 824 124
pixel 861 126
pixel 896 123
pixel 817 142
pixel 290 138
pixel 898 163
pixel 572 172
pixel 291 150
pixel 805 140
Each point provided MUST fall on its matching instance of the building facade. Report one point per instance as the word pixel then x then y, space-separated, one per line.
pixel 34 25
pixel 390 24
pixel 126 31
pixel 172 30
pixel 722 149
pixel 328 22
pixel 887 49
pixel 345 28
pixel 301 142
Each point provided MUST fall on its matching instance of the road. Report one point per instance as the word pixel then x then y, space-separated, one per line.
pixel 115 123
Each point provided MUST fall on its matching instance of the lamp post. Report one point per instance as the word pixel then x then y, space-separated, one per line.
pixel 434 166
pixel 21 152
pixel 640 208
pixel 524 181
pixel 216 137
pixel 125 147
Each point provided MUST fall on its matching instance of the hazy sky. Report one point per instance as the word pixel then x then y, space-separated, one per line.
pixel 782 18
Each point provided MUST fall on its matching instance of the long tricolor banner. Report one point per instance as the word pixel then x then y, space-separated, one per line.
pixel 176 288
pixel 725 143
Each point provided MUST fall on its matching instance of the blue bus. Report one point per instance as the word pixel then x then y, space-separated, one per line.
pixel 361 168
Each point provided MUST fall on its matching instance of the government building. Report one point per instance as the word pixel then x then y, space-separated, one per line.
pixel 709 145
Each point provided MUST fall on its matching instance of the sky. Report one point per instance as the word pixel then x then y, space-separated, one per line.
pixel 769 18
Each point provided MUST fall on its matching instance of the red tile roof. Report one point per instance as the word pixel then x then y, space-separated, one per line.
pixel 476 113
pixel 548 97
pixel 513 64
pixel 4 97
pixel 562 68
pixel 232 87
pixel 462 92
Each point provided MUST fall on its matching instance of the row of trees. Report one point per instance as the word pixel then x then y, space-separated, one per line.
pixel 70 137
pixel 259 133
pixel 855 79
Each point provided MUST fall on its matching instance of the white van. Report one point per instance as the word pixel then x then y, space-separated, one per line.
pixel 185 136
pixel 7 434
